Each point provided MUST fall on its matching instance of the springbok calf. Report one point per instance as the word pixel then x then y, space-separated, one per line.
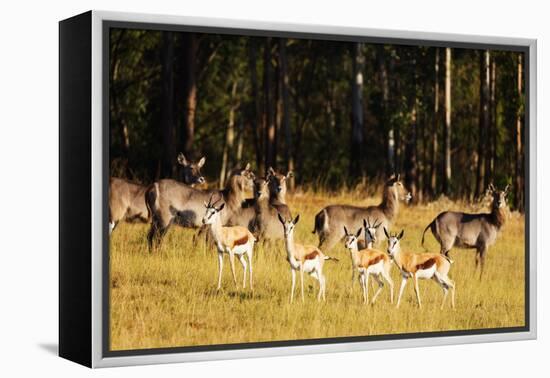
pixel 303 258
pixel 233 240
pixel 366 262
pixel 420 266
pixel 465 230
pixel 330 220
pixel 127 200
pixel 266 224
pixel 173 202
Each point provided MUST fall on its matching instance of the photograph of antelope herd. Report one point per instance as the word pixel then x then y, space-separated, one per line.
pixel 365 189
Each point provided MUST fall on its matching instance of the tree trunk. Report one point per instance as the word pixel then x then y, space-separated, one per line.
pixel 357 136
pixel 229 135
pixel 518 182
pixel 492 129
pixel 283 66
pixel 268 108
pixel 190 46
pixel 447 166
pixel 390 140
pixel 257 117
pixel 436 119
pixel 483 140
pixel 168 161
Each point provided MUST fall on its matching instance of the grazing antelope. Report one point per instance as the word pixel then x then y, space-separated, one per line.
pixel 366 262
pixel 266 224
pixel 330 220
pixel 464 230
pixel 173 202
pixel 420 266
pixel 233 240
pixel 303 258
pixel 127 200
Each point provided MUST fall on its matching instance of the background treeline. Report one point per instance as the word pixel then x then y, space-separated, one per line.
pixel 336 113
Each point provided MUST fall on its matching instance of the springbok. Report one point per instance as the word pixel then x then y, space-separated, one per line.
pixel 366 262
pixel 127 200
pixel 266 224
pixel 370 234
pixel 233 240
pixel 170 201
pixel 303 258
pixel 420 266
pixel 465 230
pixel 330 220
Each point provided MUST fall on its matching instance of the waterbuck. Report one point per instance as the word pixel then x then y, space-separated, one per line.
pixel 127 200
pixel 329 222
pixel 474 231
pixel 303 258
pixel 420 266
pixel 170 201
pixel 267 208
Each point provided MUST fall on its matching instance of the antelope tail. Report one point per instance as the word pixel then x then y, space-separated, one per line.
pixel 330 258
pixel 151 199
pixel 426 229
pixel 448 258
pixel 321 221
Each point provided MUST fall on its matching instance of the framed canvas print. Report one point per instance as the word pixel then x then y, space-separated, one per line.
pixel 233 189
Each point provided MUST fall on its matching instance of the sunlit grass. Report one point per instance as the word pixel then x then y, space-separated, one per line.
pixel 169 299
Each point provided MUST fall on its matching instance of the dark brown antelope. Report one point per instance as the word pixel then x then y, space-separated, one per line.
pixel 172 202
pixel 471 231
pixel 127 200
pixel 330 221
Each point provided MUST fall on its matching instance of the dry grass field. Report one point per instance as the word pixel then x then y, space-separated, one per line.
pixel 169 299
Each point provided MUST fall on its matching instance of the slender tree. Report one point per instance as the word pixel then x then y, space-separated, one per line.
pixel 283 67
pixel 167 106
pixel 435 129
pixel 256 119
pixel 190 47
pixel 483 141
pixel 269 120
pixel 357 137
pixel 229 134
pixel 448 110
pixel 518 182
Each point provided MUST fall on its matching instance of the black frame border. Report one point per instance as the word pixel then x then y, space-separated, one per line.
pixel 107 25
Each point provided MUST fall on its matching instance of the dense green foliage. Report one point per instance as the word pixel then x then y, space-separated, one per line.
pixel 237 100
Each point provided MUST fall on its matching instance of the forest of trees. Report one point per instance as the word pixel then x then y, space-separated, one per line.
pixel 451 120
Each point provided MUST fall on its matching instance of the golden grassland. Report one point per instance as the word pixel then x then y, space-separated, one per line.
pixel 169 299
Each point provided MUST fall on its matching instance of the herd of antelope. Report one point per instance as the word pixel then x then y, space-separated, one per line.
pixel 236 223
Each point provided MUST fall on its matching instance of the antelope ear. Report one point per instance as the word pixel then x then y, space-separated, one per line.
pixel 398 178
pixel 247 167
pixel 358 233
pixel 181 159
pixel 346 231
pixel 270 171
pixel 400 236
pixel 506 189
pixel 290 174
pixel 280 218
pixel 491 188
pixel 201 162
pixel 386 233
pixel 296 219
